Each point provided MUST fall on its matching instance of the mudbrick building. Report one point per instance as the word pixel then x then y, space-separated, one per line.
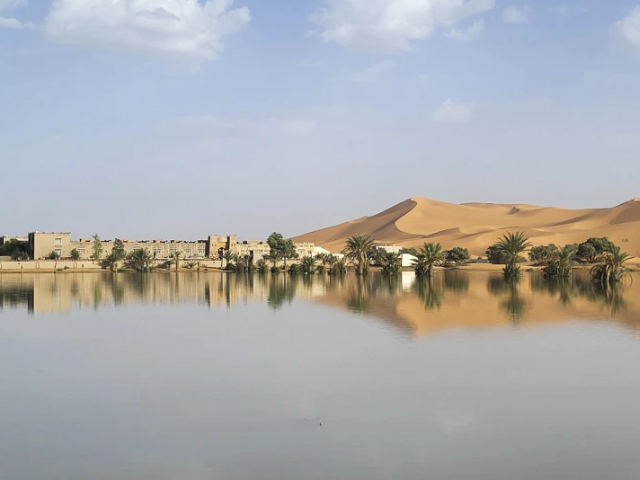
pixel 41 245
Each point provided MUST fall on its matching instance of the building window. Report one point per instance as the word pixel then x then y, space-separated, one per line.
pixel 58 241
pixel 58 253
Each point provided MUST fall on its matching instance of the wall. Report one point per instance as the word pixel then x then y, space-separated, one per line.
pixel 53 265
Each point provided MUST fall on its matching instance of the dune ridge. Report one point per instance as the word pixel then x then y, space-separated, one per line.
pixel 477 225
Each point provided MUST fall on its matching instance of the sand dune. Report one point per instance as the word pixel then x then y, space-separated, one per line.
pixel 477 225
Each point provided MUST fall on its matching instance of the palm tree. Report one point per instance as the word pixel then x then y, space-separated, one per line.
pixel 357 250
pixel 560 265
pixel 307 265
pixel 176 256
pixel 273 257
pixel 228 256
pixel 338 266
pixel 426 259
pixel 511 246
pixel 140 260
pixel 261 266
pixel 611 270
pixel 390 262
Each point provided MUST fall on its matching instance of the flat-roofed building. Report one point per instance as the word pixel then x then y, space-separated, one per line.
pixel 41 245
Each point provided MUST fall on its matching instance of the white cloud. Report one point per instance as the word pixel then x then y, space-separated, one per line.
pixel 450 112
pixel 11 4
pixel 516 14
pixel 391 26
pixel 629 27
pixel 183 28
pixel 373 73
pixel 9 22
pixel 469 34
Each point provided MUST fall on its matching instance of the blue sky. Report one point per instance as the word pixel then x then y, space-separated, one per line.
pixel 178 118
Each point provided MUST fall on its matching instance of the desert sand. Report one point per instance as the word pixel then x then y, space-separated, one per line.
pixel 476 226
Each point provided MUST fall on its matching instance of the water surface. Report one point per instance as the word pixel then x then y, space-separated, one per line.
pixel 215 376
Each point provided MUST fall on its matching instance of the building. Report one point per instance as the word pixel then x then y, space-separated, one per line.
pixel 7 238
pixel 41 245
pixel 390 248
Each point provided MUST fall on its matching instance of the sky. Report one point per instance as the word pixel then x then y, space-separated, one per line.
pixel 184 118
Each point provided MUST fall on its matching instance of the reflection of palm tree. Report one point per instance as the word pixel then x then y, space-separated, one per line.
pixel 117 290
pixel 281 289
pixel 429 291
pixel 456 281
pixel 563 287
pixel 358 300
pixel 613 298
pixel 514 305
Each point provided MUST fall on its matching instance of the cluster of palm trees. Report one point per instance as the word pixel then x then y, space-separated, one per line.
pixel 610 269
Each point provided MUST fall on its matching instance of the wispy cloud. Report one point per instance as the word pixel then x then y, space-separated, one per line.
pixel 469 34
pixel 373 73
pixel 629 27
pixel 517 14
pixel 391 27
pixel 178 28
pixel 11 22
pixel 451 112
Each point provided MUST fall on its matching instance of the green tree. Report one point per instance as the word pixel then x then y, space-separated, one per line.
pixel 543 254
pixel 139 260
pixel 512 245
pixel 590 250
pixel 97 248
pixel 560 265
pixel 228 257
pixel 307 265
pixel 289 252
pixel 390 262
pixel 458 255
pixel 118 250
pixel 15 249
pixel 276 243
pixel 261 266
pixel 358 250
pixel 612 269
pixel 176 257
pixel 273 256
pixel 377 256
pixel 427 258
pixel 117 255
pixel 496 256
pixel 53 255
pixel 75 254
pixel 338 266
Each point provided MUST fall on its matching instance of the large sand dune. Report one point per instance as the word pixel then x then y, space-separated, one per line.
pixel 477 225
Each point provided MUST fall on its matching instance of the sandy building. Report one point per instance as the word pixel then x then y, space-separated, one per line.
pixel 41 245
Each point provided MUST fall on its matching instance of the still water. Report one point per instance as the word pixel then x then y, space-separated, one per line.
pixel 200 376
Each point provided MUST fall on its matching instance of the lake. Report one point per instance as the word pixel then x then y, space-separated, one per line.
pixel 196 376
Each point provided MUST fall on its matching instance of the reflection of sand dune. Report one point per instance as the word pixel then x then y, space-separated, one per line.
pixel 483 300
pixel 477 225
pixel 454 299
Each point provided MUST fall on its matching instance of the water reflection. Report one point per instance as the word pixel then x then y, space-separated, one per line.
pixel 508 290
pixel 453 299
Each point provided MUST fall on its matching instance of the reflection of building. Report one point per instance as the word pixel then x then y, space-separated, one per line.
pixel 41 245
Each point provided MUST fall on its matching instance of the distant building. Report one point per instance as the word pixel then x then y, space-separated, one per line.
pixel 390 248
pixel 41 245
